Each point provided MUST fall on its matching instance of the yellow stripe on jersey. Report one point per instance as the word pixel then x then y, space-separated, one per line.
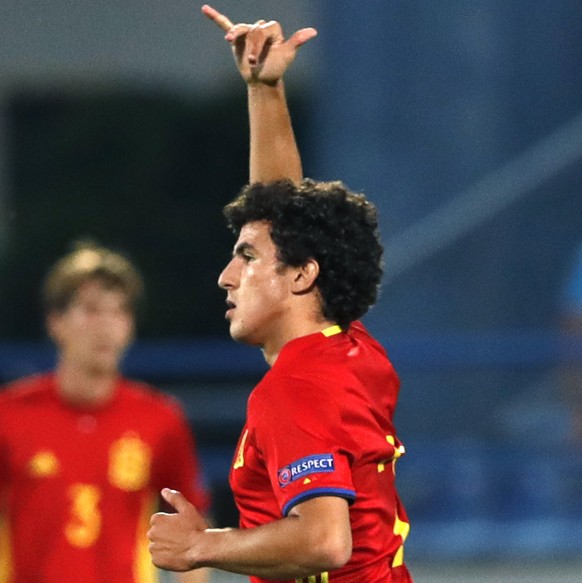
pixel 331 331
pixel 398 557
pixel 401 529
pixel 240 455
pixel 321 578
pixel 5 552
pixel 398 451
pixel 143 568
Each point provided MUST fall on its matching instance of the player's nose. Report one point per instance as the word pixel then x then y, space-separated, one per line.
pixel 227 278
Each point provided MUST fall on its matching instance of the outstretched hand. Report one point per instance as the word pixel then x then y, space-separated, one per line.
pixel 173 536
pixel 261 51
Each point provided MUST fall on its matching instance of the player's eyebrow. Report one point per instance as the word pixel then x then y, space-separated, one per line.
pixel 243 247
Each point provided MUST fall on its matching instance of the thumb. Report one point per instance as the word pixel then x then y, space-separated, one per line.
pixel 301 37
pixel 175 499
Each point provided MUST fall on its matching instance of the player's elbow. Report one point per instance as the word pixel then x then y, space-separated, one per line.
pixel 326 535
pixel 330 550
pixel 337 553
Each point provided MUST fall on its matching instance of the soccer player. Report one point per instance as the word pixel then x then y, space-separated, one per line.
pixel 313 473
pixel 84 452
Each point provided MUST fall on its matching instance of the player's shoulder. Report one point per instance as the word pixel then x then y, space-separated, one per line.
pixel 144 395
pixel 361 333
pixel 26 389
pixel 309 381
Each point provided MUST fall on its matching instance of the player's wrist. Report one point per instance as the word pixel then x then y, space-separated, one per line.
pixel 263 83
pixel 207 550
pixel 263 90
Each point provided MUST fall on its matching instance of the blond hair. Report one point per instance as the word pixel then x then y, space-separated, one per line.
pixel 89 261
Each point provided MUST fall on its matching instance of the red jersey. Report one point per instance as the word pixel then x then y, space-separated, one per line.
pixel 320 424
pixel 78 485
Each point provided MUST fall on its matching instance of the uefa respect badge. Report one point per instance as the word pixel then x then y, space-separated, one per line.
pixel 312 464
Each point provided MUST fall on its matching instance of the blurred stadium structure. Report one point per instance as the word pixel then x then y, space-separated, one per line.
pixel 461 120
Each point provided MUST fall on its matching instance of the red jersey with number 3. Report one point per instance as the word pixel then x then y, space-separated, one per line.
pixel 78 485
pixel 320 424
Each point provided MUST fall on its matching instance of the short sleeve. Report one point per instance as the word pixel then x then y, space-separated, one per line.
pixel 300 434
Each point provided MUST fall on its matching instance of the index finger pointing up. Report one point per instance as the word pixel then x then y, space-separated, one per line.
pixel 216 17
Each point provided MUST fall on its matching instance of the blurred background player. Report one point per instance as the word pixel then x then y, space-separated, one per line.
pixel 313 476
pixel 84 452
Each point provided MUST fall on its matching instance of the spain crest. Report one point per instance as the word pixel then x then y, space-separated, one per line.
pixel 129 463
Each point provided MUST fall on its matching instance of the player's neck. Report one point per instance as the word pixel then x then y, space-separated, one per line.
pixel 84 387
pixel 295 329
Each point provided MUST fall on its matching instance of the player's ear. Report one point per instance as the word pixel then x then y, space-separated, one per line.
pixel 53 324
pixel 305 276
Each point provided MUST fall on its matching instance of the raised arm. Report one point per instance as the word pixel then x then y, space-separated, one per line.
pixel 262 55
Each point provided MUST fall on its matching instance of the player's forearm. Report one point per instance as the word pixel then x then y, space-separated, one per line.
pixel 273 150
pixel 278 550
pixel 196 576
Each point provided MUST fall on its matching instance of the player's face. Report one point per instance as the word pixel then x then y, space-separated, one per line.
pixel 95 329
pixel 258 288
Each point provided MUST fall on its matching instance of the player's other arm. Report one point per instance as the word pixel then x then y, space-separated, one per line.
pixel 315 537
pixel 263 55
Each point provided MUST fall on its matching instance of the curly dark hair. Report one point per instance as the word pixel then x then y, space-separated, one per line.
pixel 323 221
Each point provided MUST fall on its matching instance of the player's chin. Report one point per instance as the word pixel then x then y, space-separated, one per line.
pixel 236 333
pixel 241 334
